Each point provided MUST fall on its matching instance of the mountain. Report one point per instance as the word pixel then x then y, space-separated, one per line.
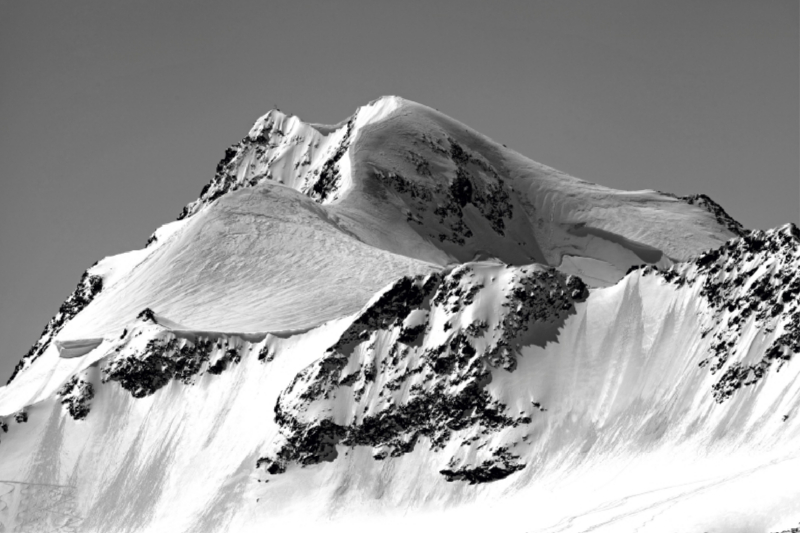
pixel 395 322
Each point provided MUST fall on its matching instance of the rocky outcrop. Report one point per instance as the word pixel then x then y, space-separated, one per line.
pixel 475 182
pixel 415 365
pixel 753 279
pixel 76 397
pixel 166 358
pixel 323 183
pixel 144 374
pixel 88 288
pixel 227 177
pixel 501 465
pixel 790 530
pixel 715 209
pixel 276 137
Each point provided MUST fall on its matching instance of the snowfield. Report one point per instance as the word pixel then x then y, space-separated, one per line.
pixel 396 322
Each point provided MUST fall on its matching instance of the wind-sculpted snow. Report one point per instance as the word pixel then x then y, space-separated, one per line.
pixel 715 209
pixel 280 147
pixel 416 362
pixel 754 280
pixel 387 324
pixel 450 193
pixel 445 384
pixel 171 354
pixel 406 179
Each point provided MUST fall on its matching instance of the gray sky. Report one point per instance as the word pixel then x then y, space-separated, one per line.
pixel 113 115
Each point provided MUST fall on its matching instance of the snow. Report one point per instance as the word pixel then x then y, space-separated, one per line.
pixel 285 291
pixel 595 272
pixel 77 348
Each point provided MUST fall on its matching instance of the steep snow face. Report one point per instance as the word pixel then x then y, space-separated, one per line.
pixel 462 396
pixel 413 389
pixel 470 196
pixel 410 180
pixel 402 178
pixel 752 283
pixel 299 346
pixel 306 157
pixel 148 423
pixel 265 258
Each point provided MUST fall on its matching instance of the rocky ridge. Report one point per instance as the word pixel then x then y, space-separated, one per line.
pixel 430 372
pixel 754 279
pixel 414 366
pixel 88 288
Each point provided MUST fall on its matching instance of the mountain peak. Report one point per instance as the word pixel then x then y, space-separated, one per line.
pixel 451 194
pixel 395 314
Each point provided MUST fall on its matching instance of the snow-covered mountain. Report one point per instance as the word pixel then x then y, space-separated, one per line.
pixel 396 322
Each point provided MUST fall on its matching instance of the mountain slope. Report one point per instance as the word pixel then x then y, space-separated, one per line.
pixel 448 193
pixel 261 259
pixel 518 382
pixel 394 317
pixel 399 177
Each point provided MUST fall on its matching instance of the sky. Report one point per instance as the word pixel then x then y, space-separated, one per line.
pixel 113 115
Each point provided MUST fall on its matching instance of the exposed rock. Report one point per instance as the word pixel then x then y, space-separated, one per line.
pixel 790 530
pixel 753 278
pixel 412 388
pixel 144 375
pixel 327 181
pixel 88 288
pixel 502 465
pixel 715 209
pixel 267 354
pixel 76 396
pixel 231 356
pixel 147 315
pixel 142 372
pixel 475 183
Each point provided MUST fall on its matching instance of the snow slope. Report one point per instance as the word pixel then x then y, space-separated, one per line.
pixel 406 178
pixel 395 322
pixel 235 266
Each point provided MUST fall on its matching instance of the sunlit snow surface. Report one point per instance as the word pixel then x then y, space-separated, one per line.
pixel 182 394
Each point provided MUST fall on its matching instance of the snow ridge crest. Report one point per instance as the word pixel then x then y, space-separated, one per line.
pixel 311 158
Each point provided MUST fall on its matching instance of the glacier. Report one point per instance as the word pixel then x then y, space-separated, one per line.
pixel 397 322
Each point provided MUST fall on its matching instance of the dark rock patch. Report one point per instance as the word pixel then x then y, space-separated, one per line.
pixel 415 391
pixel 752 278
pixel 76 396
pixel 88 288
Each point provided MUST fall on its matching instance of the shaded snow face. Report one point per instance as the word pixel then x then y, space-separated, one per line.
pixel 412 181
